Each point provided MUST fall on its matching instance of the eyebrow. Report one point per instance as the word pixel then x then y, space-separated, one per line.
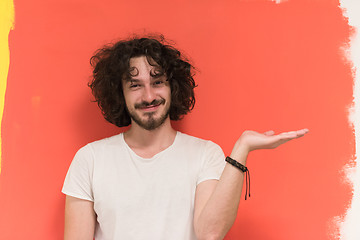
pixel 131 80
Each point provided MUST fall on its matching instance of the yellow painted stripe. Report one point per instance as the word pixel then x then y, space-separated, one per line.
pixel 7 22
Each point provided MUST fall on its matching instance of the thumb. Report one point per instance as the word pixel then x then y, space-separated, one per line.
pixel 269 133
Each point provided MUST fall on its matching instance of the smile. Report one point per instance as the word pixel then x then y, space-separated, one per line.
pixel 150 107
pixel 154 105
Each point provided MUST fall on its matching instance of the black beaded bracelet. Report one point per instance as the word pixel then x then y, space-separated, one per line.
pixel 243 169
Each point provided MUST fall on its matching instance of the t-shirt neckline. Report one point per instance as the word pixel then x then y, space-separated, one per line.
pixel 156 155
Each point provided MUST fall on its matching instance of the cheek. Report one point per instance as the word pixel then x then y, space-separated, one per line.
pixel 129 99
pixel 163 93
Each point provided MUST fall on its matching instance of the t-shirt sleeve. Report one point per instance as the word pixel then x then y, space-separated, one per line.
pixel 213 162
pixel 78 180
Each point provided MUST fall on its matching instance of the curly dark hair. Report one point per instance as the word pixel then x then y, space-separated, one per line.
pixel 111 65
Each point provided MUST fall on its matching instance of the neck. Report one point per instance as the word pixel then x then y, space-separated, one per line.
pixel 159 138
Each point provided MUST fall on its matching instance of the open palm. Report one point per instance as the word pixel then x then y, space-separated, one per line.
pixel 254 140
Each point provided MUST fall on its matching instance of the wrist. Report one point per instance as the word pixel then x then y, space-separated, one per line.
pixel 240 153
pixel 242 168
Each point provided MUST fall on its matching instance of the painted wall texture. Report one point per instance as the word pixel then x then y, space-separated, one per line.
pixel 260 66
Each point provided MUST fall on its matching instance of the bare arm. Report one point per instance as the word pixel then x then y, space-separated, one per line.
pixel 216 202
pixel 80 219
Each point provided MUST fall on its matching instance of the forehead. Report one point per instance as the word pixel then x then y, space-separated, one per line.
pixel 142 66
pixel 142 61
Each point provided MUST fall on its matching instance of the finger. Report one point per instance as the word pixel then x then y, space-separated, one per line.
pixel 302 132
pixel 294 134
pixel 269 133
pixel 288 135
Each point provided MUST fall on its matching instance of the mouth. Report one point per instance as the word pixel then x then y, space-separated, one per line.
pixel 154 105
pixel 150 107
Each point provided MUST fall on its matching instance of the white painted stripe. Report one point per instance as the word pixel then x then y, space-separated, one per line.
pixel 350 227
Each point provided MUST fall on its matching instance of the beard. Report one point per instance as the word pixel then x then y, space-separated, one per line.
pixel 150 122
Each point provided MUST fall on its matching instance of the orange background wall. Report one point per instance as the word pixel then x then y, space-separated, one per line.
pixel 260 66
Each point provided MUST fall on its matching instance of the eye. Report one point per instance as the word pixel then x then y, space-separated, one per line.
pixel 134 86
pixel 158 83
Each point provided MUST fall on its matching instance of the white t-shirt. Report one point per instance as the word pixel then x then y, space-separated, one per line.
pixel 143 198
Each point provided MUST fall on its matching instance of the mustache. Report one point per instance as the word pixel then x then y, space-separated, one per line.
pixel 144 104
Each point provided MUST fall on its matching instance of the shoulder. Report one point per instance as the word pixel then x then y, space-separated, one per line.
pixel 106 142
pixel 97 146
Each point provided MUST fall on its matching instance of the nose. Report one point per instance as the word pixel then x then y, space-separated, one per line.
pixel 148 94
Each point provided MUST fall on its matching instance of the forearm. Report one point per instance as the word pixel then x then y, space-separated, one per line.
pixel 219 213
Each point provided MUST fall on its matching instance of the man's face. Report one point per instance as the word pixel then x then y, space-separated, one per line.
pixel 147 94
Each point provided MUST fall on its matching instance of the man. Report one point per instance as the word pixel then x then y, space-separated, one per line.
pixel 152 182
